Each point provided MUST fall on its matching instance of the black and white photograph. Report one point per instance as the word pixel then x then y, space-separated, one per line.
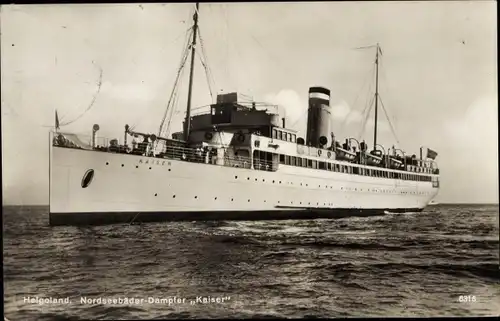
pixel 249 160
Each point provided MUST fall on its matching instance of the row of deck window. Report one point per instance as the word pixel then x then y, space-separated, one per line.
pixel 310 163
pixel 282 135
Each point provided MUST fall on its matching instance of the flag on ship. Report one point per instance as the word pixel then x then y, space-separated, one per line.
pixel 431 154
pixel 57 121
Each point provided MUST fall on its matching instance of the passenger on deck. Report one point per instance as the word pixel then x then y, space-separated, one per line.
pixel 199 153
pixel 207 155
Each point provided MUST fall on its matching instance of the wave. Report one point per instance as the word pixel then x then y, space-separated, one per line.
pixel 482 270
pixel 356 246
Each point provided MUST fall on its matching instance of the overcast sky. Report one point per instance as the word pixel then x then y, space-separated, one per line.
pixel 438 77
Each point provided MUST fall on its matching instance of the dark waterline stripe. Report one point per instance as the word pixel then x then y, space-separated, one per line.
pixel 103 218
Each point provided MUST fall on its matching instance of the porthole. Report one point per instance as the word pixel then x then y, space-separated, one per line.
pixel 107 163
pixel 156 194
pixel 249 201
pixel 248 178
pixel 136 166
pixel 149 168
pixel 123 165
pixel 173 196
pixel 196 197
pixel 232 199
pixel 215 198
pixel 87 178
pixel 169 169
pixel 236 177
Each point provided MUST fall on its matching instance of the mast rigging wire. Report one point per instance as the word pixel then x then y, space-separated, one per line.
pixel 366 112
pixel 183 33
pixel 390 123
pixel 206 66
pixel 365 120
pixel 370 74
pixel 99 83
pixel 172 103
pixel 184 57
pixel 171 108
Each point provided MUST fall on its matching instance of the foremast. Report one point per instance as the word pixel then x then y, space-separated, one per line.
pixel 187 123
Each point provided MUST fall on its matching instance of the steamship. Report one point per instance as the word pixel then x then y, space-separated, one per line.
pixel 238 161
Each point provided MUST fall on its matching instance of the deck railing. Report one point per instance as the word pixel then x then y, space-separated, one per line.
pixel 197 155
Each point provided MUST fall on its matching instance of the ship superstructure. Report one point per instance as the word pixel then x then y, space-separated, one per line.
pixel 237 161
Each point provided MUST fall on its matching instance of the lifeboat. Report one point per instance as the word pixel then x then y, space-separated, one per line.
pixel 342 154
pixel 374 158
pixel 395 163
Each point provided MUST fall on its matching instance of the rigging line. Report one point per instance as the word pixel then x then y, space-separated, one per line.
pixel 208 70
pixel 366 111
pixel 390 123
pixel 204 65
pixel 364 47
pixel 179 73
pixel 386 87
pixel 186 33
pixel 174 105
pixel 183 33
pixel 197 108
pixel 365 120
pixel 175 98
pixel 382 69
pixel 370 74
pixel 205 68
pixel 168 110
pixel 91 103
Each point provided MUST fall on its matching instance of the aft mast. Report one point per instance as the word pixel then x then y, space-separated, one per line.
pixel 376 99
pixel 187 123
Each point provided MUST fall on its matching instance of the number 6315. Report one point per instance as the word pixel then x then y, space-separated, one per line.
pixel 467 298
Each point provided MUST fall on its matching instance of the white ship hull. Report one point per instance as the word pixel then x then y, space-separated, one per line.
pixel 128 188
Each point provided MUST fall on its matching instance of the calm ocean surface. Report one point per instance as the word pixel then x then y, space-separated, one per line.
pixel 392 265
